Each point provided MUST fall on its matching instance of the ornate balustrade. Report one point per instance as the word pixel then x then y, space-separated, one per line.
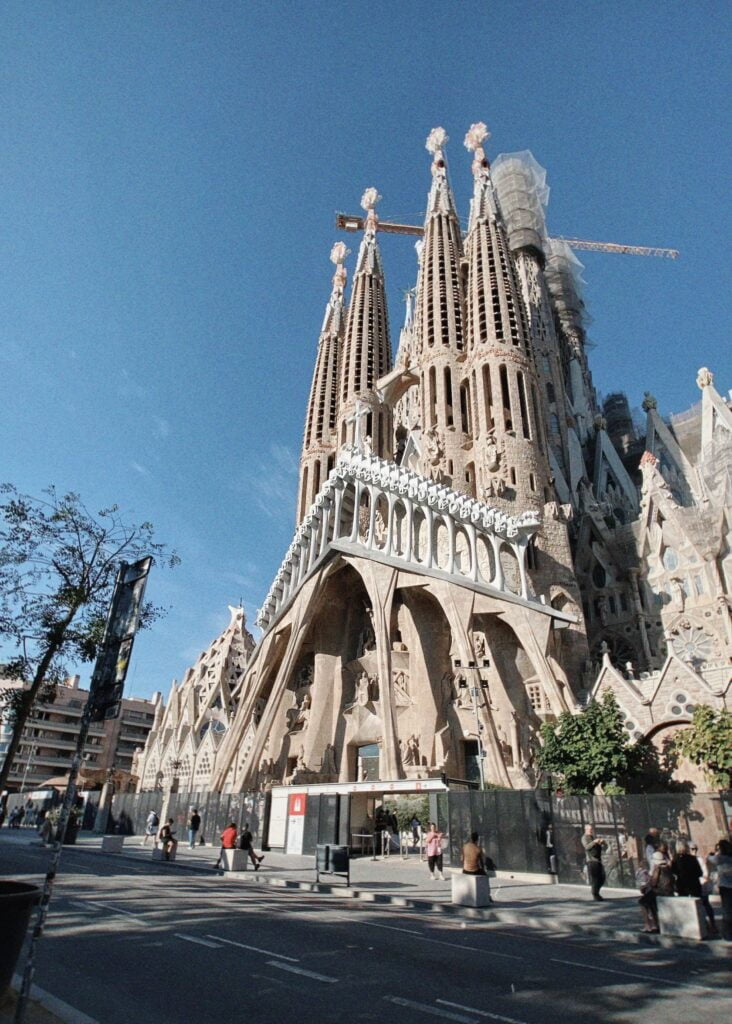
pixel 393 513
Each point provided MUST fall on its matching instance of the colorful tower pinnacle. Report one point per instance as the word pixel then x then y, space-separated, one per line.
pixel 319 440
pixel 366 349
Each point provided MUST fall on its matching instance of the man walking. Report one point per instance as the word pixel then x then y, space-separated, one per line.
pixel 246 843
pixel 151 828
pixel 593 847
pixel 228 842
pixel 194 824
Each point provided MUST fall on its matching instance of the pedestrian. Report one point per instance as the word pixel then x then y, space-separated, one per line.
pixel 415 824
pixel 475 861
pixel 194 824
pixel 46 830
pixel 246 843
pixel 686 871
pixel 651 845
pixel 228 842
pixel 722 863
pixel 167 839
pixel 706 886
pixel 662 878
pixel 593 847
pixel 151 828
pixel 647 901
pixel 433 840
pixel 3 810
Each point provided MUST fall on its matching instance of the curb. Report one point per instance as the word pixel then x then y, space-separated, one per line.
pixel 512 917
pixel 63 1011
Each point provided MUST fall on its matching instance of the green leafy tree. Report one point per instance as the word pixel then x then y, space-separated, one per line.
pixel 58 566
pixel 587 750
pixel 708 743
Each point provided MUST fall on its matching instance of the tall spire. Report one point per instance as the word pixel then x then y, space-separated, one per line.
pixel 439 310
pixel 366 348
pixel 319 439
pixel 512 463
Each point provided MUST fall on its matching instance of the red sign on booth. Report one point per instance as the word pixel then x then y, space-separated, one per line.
pixel 297 804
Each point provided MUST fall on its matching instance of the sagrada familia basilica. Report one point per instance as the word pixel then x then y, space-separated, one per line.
pixel 480 544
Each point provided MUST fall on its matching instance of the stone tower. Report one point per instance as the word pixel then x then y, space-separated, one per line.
pixel 511 465
pixel 439 330
pixel 366 347
pixel 319 442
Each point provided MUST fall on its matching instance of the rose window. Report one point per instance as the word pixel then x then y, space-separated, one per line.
pixel 693 645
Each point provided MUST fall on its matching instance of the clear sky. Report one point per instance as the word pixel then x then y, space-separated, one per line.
pixel 169 173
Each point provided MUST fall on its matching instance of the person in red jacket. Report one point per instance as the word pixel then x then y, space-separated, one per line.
pixel 228 841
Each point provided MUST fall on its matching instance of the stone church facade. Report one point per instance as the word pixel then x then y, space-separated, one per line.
pixel 481 543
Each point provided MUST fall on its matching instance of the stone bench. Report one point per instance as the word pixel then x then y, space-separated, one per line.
pixel 158 854
pixel 682 916
pixel 113 844
pixel 236 860
pixel 471 890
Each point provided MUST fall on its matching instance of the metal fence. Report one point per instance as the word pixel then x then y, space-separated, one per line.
pixel 522 829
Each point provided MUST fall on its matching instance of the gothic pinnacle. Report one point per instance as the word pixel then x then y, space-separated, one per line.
pixel 337 256
pixel 473 142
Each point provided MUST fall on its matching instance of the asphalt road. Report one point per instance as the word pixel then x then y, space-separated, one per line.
pixel 152 942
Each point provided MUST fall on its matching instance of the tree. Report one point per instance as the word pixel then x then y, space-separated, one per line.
pixel 58 565
pixel 708 743
pixel 589 749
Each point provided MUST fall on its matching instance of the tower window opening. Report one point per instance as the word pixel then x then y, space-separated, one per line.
pixel 532 481
pixel 550 394
pixel 488 395
pixel 465 408
pixel 513 476
pixel 523 406
pixel 370 425
pixel 505 395
pixel 316 478
pixel 432 388
pixel 448 397
pixel 449 467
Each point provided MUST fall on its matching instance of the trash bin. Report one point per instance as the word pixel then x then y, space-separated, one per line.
pixel 17 900
pixel 332 860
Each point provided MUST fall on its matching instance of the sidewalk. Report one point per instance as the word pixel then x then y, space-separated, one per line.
pixel 519 900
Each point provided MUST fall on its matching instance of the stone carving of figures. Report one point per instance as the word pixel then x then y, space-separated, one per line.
pixel 677 591
pixel 479 645
pixel 602 608
pixel 367 445
pixel 328 766
pixel 362 689
pixel 434 453
pixel 492 456
pixel 448 694
pixel 258 711
pixel 374 687
pixel 301 766
pixel 410 754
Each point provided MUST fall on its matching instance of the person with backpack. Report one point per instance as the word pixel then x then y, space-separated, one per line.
pixel 167 839
pixel 151 828
pixel 194 825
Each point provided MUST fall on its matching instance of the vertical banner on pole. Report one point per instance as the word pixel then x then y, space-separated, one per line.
pixel 110 671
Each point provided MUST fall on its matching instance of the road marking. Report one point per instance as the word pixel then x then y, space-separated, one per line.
pixel 95 905
pixel 437 942
pixel 301 970
pixel 481 1013
pixel 426 1008
pixel 631 974
pixel 256 949
pixel 201 942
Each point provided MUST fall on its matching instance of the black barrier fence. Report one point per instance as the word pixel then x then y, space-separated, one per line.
pixel 129 812
pixel 535 831
pixel 519 829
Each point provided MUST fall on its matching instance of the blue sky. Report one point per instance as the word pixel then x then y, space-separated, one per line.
pixel 169 174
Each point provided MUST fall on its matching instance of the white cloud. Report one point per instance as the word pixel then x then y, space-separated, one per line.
pixel 142 470
pixel 272 482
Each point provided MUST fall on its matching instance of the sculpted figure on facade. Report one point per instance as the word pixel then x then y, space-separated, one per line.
pixel 434 454
pixel 410 751
pixel 328 764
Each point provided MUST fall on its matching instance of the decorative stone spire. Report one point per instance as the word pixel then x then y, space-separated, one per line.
pixel 366 354
pixel 510 461
pixel 319 439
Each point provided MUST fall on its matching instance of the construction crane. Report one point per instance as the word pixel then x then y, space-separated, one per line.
pixel 346 222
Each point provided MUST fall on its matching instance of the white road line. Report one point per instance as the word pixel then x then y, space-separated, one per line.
pixel 95 905
pixel 481 1013
pixel 426 1008
pixel 256 949
pixel 117 910
pixel 200 942
pixel 631 974
pixel 437 942
pixel 301 970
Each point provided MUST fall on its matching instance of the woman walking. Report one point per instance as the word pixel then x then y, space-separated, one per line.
pixel 433 840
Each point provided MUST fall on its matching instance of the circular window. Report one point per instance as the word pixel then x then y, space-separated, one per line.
pixel 681 698
pixel 676 710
